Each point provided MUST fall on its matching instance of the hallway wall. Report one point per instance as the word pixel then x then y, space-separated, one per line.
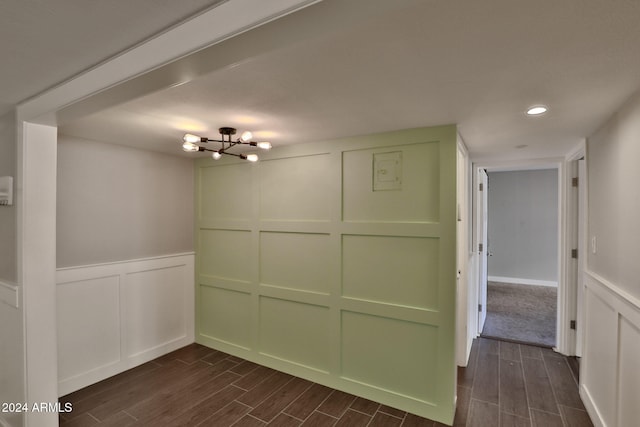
pixel 523 226
pixel 124 283
pixel 611 367
pixel 118 203
pixel 11 315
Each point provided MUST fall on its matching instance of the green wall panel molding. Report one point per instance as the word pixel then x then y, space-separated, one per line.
pixel 295 260
pixel 393 270
pixel 335 261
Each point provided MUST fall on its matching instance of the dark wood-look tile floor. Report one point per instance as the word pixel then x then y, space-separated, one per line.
pixel 505 384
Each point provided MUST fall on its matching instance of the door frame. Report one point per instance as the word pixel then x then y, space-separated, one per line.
pixel 563 332
pixel 576 237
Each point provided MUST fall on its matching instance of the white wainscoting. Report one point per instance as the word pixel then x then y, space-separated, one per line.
pixel 112 317
pixel 610 369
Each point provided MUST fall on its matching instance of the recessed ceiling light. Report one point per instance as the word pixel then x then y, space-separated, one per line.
pixel 536 110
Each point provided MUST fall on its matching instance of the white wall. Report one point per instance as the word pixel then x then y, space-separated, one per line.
pixel 11 324
pixel 523 226
pixel 610 377
pixel 117 203
pixel 125 258
pixel 8 213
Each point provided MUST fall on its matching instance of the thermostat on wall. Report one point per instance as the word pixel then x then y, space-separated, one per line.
pixel 6 191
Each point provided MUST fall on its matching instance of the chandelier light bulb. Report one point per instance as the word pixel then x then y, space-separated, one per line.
pixel 252 157
pixel 264 145
pixel 189 137
pixel 246 136
pixel 190 146
pixel 216 155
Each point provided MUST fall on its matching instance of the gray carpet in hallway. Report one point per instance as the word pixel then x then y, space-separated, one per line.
pixel 522 313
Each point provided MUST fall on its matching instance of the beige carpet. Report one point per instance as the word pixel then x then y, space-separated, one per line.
pixel 521 313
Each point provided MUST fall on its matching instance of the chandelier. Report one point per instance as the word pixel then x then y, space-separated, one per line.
pixel 191 143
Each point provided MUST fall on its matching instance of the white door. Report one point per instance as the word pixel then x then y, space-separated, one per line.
pixel 481 230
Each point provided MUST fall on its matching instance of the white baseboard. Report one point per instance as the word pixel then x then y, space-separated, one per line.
pixel 115 316
pixel 521 281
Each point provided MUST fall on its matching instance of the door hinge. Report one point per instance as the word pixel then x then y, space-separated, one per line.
pixel 479 307
pixel 572 324
pixel 574 253
pixel 481 187
pixel 574 182
pixel 480 247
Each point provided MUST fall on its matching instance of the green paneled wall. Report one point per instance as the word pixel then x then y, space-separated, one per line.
pixel 335 262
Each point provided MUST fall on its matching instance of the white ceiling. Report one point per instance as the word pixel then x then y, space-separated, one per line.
pixel 45 42
pixel 380 65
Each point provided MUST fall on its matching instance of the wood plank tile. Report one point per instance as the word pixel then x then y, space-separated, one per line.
pixel 168 404
pixel 483 414
pixel 530 351
pixel 337 403
pixel 489 346
pixel 392 411
pixel 485 384
pixel 462 407
pixel 545 419
pixel 510 420
pixel 227 415
pixel 562 381
pixel 244 367
pixel 365 406
pixel 538 386
pixel 274 404
pixel 120 419
pixel 174 375
pixel 82 420
pixel 352 418
pixel 466 374
pixel 381 419
pixel 255 377
pixel 284 420
pixel 120 380
pixel 265 389
pixel 575 417
pixel 210 405
pixel 513 396
pixel 215 357
pixel 318 419
pixel 249 421
pixel 415 421
pixel 510 351
pixel 304 405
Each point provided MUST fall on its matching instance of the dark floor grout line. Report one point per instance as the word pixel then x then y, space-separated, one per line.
pixel 91 415
pixel 135 418
pixel 324 413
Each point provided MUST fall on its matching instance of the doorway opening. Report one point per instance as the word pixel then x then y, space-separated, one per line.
pixel 518 228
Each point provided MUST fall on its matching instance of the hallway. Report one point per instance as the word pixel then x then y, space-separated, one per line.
pixel 505 384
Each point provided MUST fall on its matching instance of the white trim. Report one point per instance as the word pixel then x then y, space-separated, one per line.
pixel 10 294
pixel 522 281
